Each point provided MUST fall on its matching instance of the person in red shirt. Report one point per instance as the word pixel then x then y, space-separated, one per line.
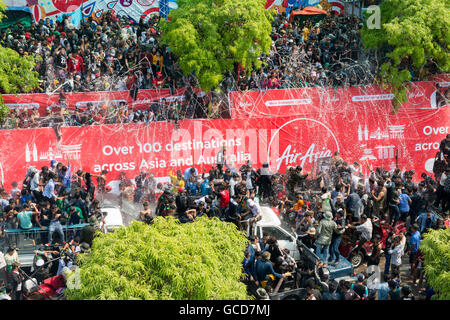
pixel 158 80
pixel 224 197
pixel 76 63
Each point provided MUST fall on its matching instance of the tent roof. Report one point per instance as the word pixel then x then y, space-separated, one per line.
pixel 308 11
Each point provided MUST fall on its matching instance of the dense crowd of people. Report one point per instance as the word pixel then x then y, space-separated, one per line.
pixel 325 54
pixel 112 54
pixel 196 107
pixel 339 202
pixel 388 210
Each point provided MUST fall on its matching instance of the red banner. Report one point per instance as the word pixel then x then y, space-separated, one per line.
pixel 288 102
pixel 81 99
pixel 359 133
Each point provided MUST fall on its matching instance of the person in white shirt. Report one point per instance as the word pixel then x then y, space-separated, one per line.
pixel 355 168
pixel 364 228
pixel 357 179
pixel 396 252
pixel 233 181
pixel 443 178
pixel 252 216
pixel 11 257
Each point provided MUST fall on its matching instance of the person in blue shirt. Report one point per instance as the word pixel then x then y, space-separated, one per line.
pixel 414 244
pixel 25 196
pixel 426 220
pixel 405 202
pixel 49 189
pixel 263 270
pixel 205 187
pixel 190 172
pixel 66 181
pixel 249 263
pixel 383 291
pixel 191 187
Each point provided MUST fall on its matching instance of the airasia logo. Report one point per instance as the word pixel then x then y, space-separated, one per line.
pixel 67 5
pixel 302 141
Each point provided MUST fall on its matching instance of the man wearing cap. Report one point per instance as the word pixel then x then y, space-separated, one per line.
pixel 42 271
pixel 324 234
pixel 360 289
pixel 264 271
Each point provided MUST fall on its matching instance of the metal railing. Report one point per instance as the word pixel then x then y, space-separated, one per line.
pixel 29 240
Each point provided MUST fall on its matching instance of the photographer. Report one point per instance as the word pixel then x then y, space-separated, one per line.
pixel 163 200
pixel 145 214
pixel 183 202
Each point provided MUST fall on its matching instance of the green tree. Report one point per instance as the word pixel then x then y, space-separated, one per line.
pixel 436 250
pixel 17 73
pixel 163 261
pixel 210 36
pixel 414 37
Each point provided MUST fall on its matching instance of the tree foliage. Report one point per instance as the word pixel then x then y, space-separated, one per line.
pixel 166 260
pixel 436 250
pixel 16 72
pixel 210 36
pixel 414 36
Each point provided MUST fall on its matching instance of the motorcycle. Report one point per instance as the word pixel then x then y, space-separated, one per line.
pixel 349 248
pixel 50 289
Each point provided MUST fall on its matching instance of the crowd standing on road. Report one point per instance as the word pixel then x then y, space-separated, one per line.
pixel 385 210
pixel 333 211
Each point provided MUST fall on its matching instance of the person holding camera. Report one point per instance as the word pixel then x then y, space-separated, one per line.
pixel 145 214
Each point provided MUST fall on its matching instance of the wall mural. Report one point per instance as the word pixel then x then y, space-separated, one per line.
pixel 133 9
pixel 79 9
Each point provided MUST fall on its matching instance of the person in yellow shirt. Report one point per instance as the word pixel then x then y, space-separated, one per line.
pixel 157 62
pixel 306 32
pixel 177 180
